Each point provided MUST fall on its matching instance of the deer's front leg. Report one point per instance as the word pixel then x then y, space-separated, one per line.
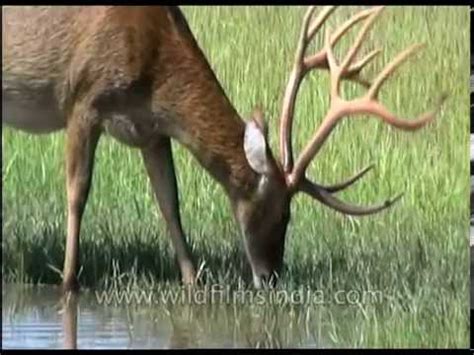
pixel 158 160
pixel 82 135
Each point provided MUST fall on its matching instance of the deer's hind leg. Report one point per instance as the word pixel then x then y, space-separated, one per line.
pixel 158 161
pixel 82 136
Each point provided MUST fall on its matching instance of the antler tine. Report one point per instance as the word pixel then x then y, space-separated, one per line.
pixel 390 69
pixel 303 40
pixel 296 76
pixel 345 184
pixel 346 26
pixel 353 73
pixel 333 66
pixel 338 70
pixel 362 34
pixel 319 60
pixel 326 198
pixel 318 22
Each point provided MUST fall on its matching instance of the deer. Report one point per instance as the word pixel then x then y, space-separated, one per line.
pixel 138 74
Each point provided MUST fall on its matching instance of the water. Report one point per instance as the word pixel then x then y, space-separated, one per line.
pixel 40 318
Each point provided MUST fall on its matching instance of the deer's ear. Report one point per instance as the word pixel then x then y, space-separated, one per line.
pixel 255 147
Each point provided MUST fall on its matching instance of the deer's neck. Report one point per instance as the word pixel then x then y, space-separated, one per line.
pixel 201 116
pixel 213 131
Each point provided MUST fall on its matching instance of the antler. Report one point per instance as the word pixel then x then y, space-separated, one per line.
pixel 303 65
pixel 339 108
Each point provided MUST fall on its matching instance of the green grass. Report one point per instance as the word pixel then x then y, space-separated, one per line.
pixel 416 253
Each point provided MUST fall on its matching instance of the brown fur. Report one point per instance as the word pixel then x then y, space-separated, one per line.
pixel 136 73
pixel 105 52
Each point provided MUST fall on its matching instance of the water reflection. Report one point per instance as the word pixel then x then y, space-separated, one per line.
pixel 69 310
pixel 40 317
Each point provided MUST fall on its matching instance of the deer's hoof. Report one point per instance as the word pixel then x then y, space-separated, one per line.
pixel 189 275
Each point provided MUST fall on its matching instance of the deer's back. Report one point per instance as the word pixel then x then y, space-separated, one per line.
pixel 55 56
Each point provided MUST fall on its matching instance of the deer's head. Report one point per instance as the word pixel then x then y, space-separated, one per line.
pixel 264 216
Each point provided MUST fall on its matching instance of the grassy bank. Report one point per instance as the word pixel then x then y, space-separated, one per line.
pixel 416 253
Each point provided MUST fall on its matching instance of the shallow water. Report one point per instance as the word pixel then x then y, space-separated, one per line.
pixel 38 317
